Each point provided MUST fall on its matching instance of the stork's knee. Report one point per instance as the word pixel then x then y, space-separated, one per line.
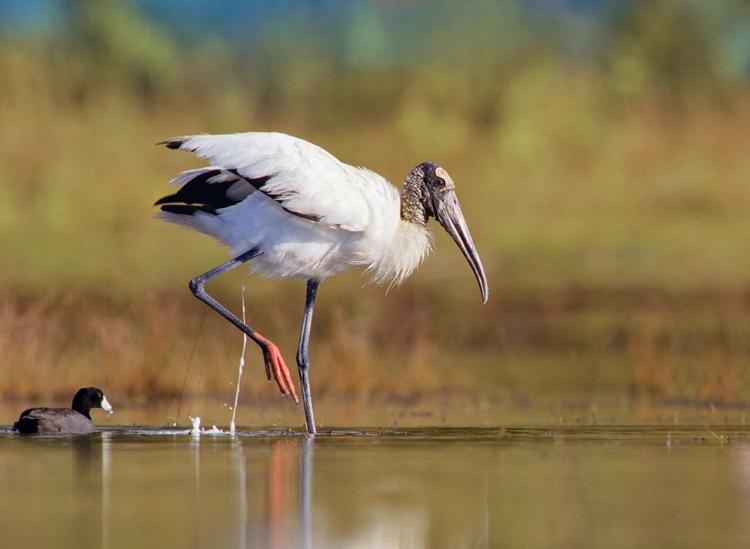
pixel 196 286
pixel 303 362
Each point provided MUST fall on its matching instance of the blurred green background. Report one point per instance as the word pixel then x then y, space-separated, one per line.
pixel 601 154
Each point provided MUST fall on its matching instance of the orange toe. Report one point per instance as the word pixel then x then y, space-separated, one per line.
pixel 275 363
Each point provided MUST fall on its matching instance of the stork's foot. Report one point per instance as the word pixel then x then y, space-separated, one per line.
pixel 276 366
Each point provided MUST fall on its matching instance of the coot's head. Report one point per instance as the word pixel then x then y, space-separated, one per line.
pixel 88 398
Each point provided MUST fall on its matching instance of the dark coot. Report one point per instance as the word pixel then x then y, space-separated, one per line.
pixel 76 419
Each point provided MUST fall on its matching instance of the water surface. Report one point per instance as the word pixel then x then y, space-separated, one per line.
pixel 581 486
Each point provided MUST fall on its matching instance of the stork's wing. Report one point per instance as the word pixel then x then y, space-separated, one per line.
pixel 304 179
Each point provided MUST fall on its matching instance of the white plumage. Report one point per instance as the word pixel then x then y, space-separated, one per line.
pixel 356 211
pixel 296 211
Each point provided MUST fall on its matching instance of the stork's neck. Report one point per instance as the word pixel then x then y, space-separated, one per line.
pixel 412 199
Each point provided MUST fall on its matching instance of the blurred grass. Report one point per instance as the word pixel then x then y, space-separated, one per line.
pixel 608 198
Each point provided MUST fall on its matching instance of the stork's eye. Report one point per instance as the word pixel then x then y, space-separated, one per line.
pixel 439 182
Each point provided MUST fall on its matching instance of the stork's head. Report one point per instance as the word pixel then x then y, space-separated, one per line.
pixel 430 192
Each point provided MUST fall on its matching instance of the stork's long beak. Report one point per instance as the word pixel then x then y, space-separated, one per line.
pixel 449 215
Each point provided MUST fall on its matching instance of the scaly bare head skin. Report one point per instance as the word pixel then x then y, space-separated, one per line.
pixel 430 192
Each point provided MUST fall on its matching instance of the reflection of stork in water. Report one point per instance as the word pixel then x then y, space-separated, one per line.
pixel 290 459
pixel 297 211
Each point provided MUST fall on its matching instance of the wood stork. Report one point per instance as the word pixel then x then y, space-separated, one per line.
pixel 297 211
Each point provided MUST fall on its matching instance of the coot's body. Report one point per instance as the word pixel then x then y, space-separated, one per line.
pixel 73 420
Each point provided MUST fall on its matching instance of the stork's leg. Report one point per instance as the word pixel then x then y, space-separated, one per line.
pixel 303 358
pixel 271 355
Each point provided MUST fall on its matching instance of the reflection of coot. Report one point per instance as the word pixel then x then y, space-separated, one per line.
pixel 76 419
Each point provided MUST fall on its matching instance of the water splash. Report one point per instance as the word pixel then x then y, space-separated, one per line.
pixel 196 430
pixel 241 368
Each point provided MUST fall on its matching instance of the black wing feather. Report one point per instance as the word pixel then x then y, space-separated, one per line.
pixel 199 194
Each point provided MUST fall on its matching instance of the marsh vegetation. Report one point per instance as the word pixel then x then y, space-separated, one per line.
pixel 606 189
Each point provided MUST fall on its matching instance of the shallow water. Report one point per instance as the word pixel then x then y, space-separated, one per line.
pixel 584 486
